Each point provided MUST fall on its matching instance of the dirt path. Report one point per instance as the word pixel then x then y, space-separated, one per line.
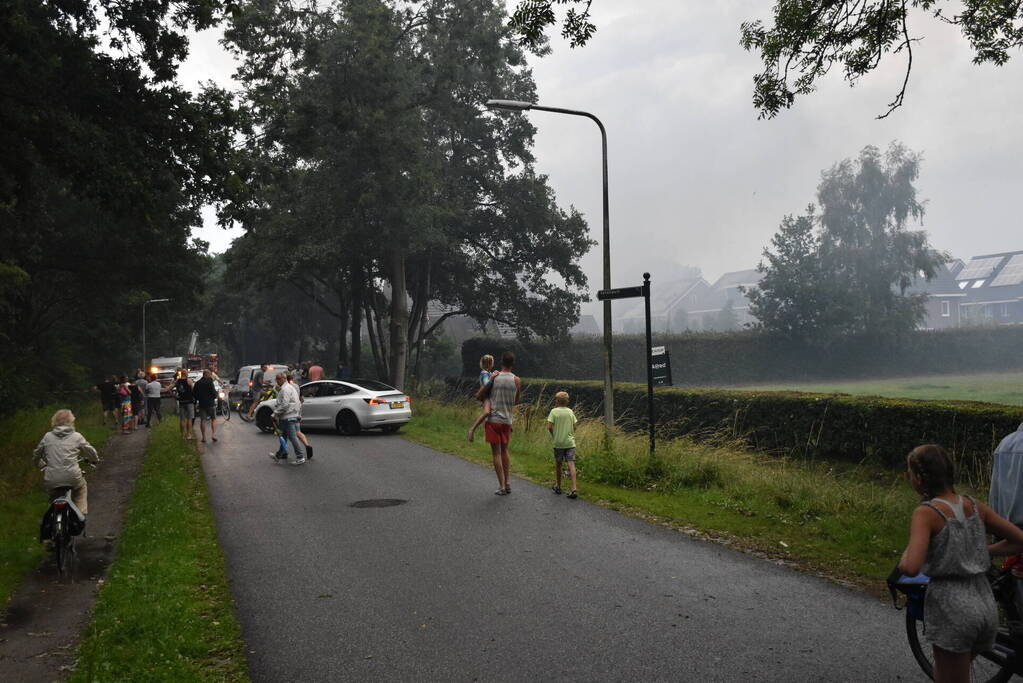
pixel 45 617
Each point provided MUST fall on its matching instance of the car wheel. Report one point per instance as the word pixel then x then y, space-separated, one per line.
pixel 390 429
pixel 347 423
pixel 264 420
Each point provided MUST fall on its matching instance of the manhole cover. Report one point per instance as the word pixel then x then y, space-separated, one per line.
pixel 378 503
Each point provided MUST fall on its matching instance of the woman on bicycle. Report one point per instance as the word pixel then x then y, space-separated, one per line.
pixel 948 542
pixel 57 456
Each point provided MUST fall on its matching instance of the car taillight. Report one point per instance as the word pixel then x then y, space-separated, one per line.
pixel 408 399
pixel 375 401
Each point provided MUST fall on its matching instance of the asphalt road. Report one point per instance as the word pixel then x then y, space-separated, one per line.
pixel 458 584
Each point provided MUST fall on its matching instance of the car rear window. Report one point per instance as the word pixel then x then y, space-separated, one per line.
pixel 371 384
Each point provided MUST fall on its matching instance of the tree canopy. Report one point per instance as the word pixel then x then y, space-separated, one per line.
pixel 805 39
pixel 846 266
pixel 371 163
pixel 106 164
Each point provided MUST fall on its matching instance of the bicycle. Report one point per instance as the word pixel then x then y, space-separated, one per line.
pixel 269 392
pixel 994 666
pixel 62 524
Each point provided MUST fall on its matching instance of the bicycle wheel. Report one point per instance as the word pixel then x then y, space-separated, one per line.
pixel 64 547
pixel 987 667
pixel 243 410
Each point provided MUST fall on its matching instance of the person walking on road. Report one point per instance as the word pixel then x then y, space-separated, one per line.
pixel 183 388
pixel 153 398
pixel 127 418
pixel 315 372
pixel 109 399
pixel 57 456
pixel 948 542
pixel 561 424
pixel 287 411
pixel 141 382
pixel 505 392
pixel 206 397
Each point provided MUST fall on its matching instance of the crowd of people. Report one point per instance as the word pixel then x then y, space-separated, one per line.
pixel 130 402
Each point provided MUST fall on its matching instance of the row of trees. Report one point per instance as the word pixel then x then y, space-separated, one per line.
pixel 374 186
pixel 106 163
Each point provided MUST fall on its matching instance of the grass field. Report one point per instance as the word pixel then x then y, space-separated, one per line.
pixel 22 499
pixel 846 522
pixel 165 612
pixel 1004 388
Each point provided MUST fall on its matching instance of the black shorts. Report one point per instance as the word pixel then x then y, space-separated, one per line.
pixel 109 403
pixel 207 411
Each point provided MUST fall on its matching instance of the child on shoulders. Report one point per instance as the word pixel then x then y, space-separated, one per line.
pixel 561 424
pixel 486 372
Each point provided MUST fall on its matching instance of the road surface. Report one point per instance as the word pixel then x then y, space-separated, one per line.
pixel 458 584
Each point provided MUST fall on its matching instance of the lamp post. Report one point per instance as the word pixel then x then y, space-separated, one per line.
pixel 516 105
pixel 145 366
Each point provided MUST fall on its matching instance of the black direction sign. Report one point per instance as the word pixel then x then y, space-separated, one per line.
pixel 620 293
pixel 660 365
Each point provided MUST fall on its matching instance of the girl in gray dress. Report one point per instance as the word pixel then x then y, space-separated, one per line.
pixel 948 542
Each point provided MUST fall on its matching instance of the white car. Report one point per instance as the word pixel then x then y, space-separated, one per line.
pixel 348 406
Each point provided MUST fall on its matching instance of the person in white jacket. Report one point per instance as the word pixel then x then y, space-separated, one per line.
pixel 57 457
pixel 287 411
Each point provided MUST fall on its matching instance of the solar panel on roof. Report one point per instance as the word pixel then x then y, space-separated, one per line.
pixel 1012 273
pixel 979 267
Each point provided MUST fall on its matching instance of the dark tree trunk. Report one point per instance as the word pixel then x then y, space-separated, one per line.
pixel 357 289
pixel 398 322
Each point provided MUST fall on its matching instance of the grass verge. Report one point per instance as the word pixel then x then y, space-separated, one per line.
pixel 1002 387
pixel 165 612
pixel 22 499
pixel 848 523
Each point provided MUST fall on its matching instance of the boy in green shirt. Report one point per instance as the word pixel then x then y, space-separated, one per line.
pixel 561 424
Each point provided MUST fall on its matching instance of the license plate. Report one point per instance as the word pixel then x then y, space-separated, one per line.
pixel 398 404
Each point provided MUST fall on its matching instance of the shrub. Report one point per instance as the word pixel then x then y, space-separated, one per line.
pixel 832 427
pixel 721 358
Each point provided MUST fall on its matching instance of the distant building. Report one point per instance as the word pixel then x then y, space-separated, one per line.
pixel 670 306
pixel 587 326
pixel 722 306
pixel 993 288
pixel 941 310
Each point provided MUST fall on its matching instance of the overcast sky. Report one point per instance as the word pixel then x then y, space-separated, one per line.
pixel 696 179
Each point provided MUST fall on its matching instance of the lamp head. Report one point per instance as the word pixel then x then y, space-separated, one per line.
pixel 509 105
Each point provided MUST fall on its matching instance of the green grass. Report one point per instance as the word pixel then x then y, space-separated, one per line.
pixel 848 522
pixel 165 612
pixel 22 499
pixel 1006 388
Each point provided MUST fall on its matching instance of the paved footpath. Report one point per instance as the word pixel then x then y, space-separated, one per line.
pixel 458 584
pixel 46 616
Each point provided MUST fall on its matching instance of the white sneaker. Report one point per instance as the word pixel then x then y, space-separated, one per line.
pixel 300 461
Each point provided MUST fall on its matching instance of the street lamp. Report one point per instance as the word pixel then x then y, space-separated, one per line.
pixel 145 366
pixel 516 105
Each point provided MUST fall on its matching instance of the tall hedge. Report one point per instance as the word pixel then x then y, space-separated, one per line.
pixel 828 426
pixel 747 357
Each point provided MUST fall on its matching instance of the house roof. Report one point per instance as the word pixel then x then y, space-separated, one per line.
pixel 992 277
pixel 942 284
pixel 724 290
pixel 664 298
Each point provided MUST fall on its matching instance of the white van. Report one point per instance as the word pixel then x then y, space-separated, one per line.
pixel 242 382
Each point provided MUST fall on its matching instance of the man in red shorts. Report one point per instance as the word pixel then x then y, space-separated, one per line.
pixel 504 394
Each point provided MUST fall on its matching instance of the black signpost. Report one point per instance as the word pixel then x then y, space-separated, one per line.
pixel 629 293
